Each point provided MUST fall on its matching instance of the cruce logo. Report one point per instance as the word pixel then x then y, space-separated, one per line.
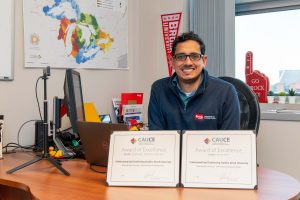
pixel 146 139
pixel 133 140
pixel 206 140
pixel 220 139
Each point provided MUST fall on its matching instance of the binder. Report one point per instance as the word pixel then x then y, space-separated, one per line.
pixel 90 113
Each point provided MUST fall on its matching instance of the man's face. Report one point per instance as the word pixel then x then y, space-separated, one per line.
pixel 189 70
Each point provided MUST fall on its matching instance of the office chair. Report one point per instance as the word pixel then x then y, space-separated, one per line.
pixel 249 105
pixel 11 190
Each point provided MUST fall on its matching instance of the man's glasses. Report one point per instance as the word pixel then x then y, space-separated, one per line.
pixel 192 56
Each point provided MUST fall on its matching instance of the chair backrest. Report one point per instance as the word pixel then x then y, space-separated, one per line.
pixel 11 190
pixel 249 104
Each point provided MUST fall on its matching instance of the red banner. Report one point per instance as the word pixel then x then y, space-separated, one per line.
pixel 170 27
pixel 258 81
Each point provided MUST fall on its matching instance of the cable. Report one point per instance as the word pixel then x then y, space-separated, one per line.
pixel 65 130
pixel 37 100
pixel 16 146
pixel 12 144
pixel 22 127
pixel 94 164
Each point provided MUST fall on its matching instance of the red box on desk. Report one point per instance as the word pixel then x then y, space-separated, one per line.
pixel 130 98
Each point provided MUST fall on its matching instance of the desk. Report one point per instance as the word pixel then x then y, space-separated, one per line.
pixel 46 182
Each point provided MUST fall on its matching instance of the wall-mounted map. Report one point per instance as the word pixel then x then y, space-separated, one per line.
pixel 76 33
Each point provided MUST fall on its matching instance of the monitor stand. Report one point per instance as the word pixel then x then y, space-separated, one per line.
pixel 66 152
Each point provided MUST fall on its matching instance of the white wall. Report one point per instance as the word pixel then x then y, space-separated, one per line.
pixel 147 62
pixel 149 52
pixel 278 146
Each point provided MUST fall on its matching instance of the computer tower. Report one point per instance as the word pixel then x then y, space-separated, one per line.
pixel 39 135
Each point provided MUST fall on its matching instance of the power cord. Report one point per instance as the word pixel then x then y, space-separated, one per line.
pixel 95 164
pixel 18 138
pixel 65 130
pixel 17 145
pixel 36 96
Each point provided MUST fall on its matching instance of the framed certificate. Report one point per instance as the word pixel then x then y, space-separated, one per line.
pixel 219 159
pixel 144 158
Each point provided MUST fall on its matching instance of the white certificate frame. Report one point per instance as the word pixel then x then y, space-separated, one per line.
pixel 219 159
pixel 144 158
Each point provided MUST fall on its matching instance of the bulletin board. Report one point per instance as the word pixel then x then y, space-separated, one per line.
pixel 6 39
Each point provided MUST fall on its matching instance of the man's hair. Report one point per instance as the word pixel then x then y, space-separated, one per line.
pixel 188 36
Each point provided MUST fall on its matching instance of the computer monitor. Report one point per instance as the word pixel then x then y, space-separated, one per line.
pixel 73 98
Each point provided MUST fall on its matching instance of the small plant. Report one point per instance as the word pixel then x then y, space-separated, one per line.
pixel 270 93
pixel 282 94
pixel 292 92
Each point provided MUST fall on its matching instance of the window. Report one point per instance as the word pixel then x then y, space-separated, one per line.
pixel 274 40
pixel 268 28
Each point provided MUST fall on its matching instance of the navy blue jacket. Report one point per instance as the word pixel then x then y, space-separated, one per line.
pixel 214 106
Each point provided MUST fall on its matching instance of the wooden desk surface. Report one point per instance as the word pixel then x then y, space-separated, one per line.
pixel 46 182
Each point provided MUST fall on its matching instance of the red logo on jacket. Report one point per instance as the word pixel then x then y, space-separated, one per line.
pixel 199 116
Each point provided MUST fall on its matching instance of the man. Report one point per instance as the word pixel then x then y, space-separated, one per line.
pixel 191 99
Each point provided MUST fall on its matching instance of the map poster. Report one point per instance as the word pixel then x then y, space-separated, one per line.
pixel 76 33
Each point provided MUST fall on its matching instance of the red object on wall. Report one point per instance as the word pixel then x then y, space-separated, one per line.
pixel 170 27
pixel 258 81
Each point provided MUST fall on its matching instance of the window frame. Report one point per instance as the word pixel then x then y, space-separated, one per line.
pixel 249 7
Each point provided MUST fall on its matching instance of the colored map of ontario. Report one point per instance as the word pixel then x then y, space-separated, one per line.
pixel 79 31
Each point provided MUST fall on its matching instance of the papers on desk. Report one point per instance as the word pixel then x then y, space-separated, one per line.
pixel 202 159
pixel 144 159
pixel 219 160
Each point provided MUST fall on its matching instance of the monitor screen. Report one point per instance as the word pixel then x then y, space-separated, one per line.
pixel 74 98
pixel 105 118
